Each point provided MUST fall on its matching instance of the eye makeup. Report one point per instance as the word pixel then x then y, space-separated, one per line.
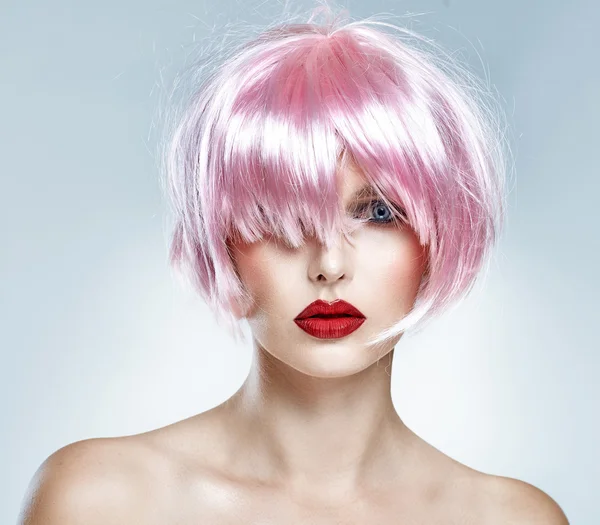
pixel 376 211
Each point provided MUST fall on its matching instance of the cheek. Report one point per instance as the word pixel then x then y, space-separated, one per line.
pixel 265 273
pixel 395 262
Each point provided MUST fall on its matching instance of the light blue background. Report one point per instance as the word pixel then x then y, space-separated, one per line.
pixel 97 339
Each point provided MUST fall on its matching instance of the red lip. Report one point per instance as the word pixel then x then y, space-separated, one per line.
pixel 338 308
pixel 330 320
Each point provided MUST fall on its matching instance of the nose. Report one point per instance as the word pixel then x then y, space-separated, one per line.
pixel 330 264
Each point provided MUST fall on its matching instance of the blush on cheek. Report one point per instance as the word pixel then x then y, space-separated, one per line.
pixel 404 271
pixel 266 275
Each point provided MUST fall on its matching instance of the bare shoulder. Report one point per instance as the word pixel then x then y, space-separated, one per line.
pixel 517 502
pixel 142 478
pixel 93 481
pixel 498 500
pixel 487 499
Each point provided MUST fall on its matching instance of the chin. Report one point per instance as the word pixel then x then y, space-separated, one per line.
pixel 331 360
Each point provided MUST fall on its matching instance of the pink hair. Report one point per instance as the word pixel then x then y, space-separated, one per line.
pixel 258 145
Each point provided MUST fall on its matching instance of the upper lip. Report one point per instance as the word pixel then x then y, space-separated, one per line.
pixel 337 308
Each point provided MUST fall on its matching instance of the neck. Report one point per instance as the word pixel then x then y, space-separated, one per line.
pixel 318 433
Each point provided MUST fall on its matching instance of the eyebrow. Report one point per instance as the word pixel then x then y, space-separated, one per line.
pixel 366 191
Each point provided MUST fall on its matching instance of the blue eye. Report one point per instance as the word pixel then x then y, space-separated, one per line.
pixel 378 212
pixel 381 212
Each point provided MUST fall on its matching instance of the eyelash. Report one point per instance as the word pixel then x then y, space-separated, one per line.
pixel 396 216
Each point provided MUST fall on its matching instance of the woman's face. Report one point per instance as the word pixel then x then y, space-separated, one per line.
pixel 379 275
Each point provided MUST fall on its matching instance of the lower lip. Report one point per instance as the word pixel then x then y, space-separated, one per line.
pixel 330 327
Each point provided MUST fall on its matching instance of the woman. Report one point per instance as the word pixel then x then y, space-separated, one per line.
pixel 334 186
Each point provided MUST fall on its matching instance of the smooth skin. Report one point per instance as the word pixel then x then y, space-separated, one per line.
pixel 311 437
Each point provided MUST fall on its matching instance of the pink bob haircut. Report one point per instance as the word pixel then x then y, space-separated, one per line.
pixel 256 150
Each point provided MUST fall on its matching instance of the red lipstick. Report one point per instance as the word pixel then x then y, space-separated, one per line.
pixel 330 320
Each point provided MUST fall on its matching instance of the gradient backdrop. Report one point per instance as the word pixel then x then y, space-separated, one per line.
pixel 97 339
